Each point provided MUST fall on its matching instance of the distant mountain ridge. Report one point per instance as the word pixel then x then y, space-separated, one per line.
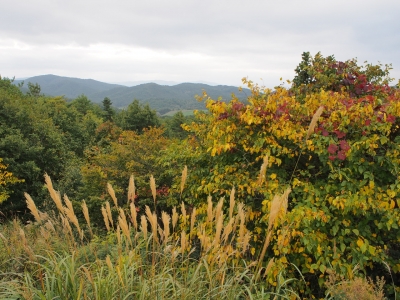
pixel 162 98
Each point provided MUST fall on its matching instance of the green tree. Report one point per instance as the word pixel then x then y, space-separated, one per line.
pixel 174 125
pixel 137 117
pixel 34 89
pixel 108 110
pixel 31 143
pixel 83 105
pixel 326 73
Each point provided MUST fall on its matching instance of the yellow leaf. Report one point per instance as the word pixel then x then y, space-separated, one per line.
pixel 371 184
pixel 360 243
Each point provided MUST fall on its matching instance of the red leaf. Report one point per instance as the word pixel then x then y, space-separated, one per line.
pixel 344 145
pixel 391 119
pixel 341 155
pixel 332 148
pixel 339 134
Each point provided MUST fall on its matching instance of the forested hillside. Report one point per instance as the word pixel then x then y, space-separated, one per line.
pixel 292 193
pixel 162 98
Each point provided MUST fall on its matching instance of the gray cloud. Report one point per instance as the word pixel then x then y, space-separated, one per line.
pixel 218 41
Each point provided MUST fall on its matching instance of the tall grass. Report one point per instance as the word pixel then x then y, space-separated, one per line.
pixel 196 255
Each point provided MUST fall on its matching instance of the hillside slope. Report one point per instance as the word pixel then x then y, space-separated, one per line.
pixel 162 98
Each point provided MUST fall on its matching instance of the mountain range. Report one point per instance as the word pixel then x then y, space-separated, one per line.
pixel 162 98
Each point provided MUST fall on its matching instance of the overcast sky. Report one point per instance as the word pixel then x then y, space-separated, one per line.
pixel 191 41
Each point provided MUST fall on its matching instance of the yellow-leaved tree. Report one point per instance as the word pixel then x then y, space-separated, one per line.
pixel 6 178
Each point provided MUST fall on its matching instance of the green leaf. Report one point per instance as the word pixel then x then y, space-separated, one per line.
pixel 322 268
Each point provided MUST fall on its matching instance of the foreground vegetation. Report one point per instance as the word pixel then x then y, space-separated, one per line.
pixel 200 254
pixel 312 174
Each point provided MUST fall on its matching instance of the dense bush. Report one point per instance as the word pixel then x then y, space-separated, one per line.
pixel 339 151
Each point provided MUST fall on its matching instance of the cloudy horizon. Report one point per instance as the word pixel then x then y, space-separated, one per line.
pixel 191 41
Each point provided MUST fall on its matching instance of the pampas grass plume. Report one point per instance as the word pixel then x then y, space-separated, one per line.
pixel 53 193
pixel 112 194
pixel 183 180
pixel 131 189
pixel 153 187
pixel 105 217
pixel 144 226
pixel 32 207
pixel 314 121
pixel 175 217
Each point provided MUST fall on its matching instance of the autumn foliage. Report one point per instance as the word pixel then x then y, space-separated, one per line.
pixel 344 170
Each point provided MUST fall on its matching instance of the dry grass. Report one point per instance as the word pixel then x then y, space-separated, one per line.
pixel 183 180
pixel 314 121
pixel 112 194
pixel 131 189
pixel 356 289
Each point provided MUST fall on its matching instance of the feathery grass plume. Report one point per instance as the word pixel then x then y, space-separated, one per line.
pixel 32 207
pixel 123 217
pixel 105 217
pixel 314 121
pixel 118 232
pixel 227 230
pixel 112 194
pixel 218 209
pixel 231 202
pixel 193 220
pixel 183 210
pixel 85 211
pixel 53 193
pixel 263 170
pixel 242 227
pixel 183 180
pixel 44 233
pixel 218 228
pixel 108 209
pixel 153 222
pixel 160 233
pixel 175 218
pixel 239 214
pixel 285 198
pixel 109 263
pixel 131 189
pixel 66 226
pixel 49 226
pixel 153 189
pixel 210 215
pixel 274 211
pixel 183 241
pixel 144 226
pixel 123 224
pixel 165 219
pixel 134 215
pixel 69 212
pixel 202 237
pixel 246 242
